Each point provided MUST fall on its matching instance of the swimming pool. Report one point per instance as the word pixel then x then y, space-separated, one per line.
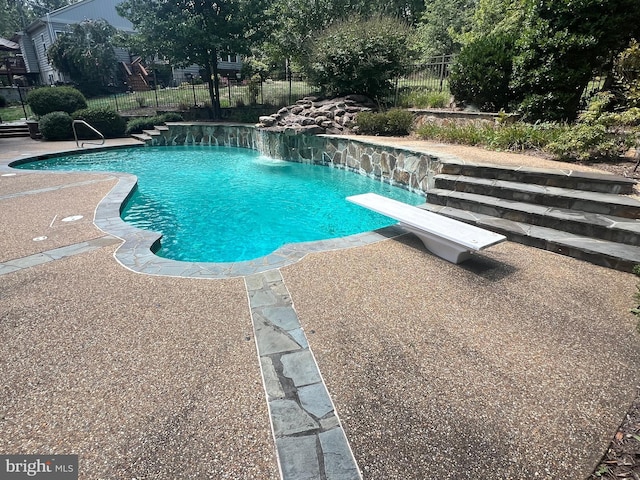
pixel 224 204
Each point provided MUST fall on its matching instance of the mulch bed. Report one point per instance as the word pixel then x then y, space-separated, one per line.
pixel 622 460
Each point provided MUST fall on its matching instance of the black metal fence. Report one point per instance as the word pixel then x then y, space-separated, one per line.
pixel 418 79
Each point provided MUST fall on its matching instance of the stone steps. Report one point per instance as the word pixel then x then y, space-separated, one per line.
pixel 571 179
pixel 600 252
pixel 579 214
pixel 13 130
pixel 587 201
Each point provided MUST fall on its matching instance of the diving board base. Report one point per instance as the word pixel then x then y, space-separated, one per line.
pixel 450 252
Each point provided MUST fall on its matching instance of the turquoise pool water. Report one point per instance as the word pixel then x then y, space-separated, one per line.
pixel 220 204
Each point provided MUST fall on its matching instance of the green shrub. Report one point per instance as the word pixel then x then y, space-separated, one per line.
pixel 170 117
pixel 501 136
pixel 360 56
pixel 482 72
pixel 589 142
pixel 395 122
pixel 56 126
pixel 137 125
pixel 3 102
pixel 104 119
pixel 55 99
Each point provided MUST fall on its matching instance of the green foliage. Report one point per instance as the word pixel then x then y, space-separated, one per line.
pixel 56 126
pixel 106 120
pixel 482 72
pixel 588 142
pixel 395 122
pixel 299 21
pixel 252 66
pixel 254 89
pixel 443 22
pixel 360 60
pixel 55 99
pixel 516 136
pixel 598 134
pixel 137 125
pixel 187 32
pixel 627 67
pixel 86 54
pixel 421 98
pixel 560 46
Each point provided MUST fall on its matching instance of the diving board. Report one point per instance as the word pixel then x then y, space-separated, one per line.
pixel 445 237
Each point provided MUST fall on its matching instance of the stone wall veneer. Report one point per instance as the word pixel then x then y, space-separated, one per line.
pixel 400 167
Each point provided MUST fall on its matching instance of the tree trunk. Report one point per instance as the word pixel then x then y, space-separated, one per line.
pixel 214 84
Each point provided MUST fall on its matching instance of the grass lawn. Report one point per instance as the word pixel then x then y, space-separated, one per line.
pixel 276 93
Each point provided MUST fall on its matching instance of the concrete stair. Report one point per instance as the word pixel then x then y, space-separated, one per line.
pixel 580 214
pixel 13 130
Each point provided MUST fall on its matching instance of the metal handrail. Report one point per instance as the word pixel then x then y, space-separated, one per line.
pixel 75 134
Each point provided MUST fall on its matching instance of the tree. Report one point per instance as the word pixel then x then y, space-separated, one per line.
pixel 198 31
pixel 300 21
pixel 561 46
pixel 360 60
pixel 86 54
pixel 18 14
pixel 443 23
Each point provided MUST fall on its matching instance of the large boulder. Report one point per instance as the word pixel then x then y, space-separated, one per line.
pixel 334 115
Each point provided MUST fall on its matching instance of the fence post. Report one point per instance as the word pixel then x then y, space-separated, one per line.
pixel 287 73
pixel 442 73
pixel 193 88
pixel 22 103
pixel 229 88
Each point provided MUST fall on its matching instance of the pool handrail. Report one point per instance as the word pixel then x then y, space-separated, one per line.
pixel 75 134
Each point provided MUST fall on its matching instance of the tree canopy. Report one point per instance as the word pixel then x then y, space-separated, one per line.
pixel 86 55
pixel 17 14
pixel 198 31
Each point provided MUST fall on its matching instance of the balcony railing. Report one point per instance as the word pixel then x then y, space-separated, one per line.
pixel 12 65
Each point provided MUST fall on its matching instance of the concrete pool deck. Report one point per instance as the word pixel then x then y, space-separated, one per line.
pixel 517 364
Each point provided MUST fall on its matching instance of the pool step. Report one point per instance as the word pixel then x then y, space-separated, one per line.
pixel 147 135
pixel 580 214
pixel 13 130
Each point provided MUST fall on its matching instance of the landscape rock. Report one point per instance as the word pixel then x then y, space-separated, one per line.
pixel 313 116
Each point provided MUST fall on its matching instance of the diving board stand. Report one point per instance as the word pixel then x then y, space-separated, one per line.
pixel 445 237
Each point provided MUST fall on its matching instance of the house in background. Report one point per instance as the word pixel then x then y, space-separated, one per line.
pixel 11 62
pixel 38 37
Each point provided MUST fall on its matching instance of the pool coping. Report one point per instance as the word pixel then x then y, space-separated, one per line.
pixel 136 252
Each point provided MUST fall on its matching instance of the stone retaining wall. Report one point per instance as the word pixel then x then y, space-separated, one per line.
pixel 400 167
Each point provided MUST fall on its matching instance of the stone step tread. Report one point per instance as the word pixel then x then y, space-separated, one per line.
pixel 151 133
pixel 13 134
pixel 629 254
pixel 141 136
pixel 161 128
pixel 5 128
pixel 555 177
pixel 610 198
pixel 607 221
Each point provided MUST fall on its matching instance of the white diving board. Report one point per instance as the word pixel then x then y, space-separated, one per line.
pixel 447 238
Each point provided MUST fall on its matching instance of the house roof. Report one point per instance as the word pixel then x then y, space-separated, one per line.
pixel 86 10
pixel 8 45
